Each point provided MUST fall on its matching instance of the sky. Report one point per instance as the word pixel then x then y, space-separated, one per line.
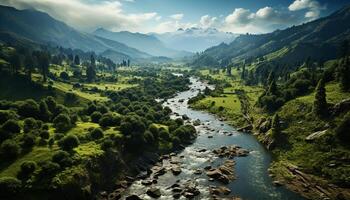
pixel 145 16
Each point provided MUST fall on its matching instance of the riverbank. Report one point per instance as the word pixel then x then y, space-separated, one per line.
pixel 291 149
pixel 191 166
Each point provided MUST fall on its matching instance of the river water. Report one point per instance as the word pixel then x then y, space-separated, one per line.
pixel 252 182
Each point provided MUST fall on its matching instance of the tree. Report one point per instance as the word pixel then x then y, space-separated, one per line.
pixel 62 123
pixel 44 63
pixel 9 149
pixel 68 142
pixel 229 70
pixel 29 65
pixel 27 169
pixel 96 133
pixel 15 62
pixel 320 107
pixel 344 49
pixel 90 73
pixel 343 74
pixel 342 130
pixel 11 126
pixel 92 60
pixel 96 116
pixel 9 186
pixel 76 60
pixel 243 72
pixel 275 126
pixel 45 114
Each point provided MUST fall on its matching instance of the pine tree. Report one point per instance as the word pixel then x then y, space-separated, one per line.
pixel 229 70
pixel 29 64
pixel 275 126
pixel 76 60
pixel 243 72
pixel 320 103
pixel 344 74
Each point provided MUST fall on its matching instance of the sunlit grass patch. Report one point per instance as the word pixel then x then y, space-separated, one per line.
pixel 90 149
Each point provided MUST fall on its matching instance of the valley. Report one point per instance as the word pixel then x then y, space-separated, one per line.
pixel 253 104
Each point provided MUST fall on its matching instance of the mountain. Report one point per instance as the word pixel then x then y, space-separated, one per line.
pixel 194 39
pixel 42 28
pixel 143 42
pixel 318 40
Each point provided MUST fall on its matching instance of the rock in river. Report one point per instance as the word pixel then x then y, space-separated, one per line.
pixel 154 192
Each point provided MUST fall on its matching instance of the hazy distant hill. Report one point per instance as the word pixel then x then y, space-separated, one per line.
pixel 143 42
pixel 194 39
pixel 42 28
pixel 318 39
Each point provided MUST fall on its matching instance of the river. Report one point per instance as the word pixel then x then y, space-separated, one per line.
pixel 252 182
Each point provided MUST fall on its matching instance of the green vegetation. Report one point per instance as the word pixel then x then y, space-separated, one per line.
pixel 82 116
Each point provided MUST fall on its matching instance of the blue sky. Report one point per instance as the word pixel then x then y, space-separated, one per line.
pixel 238 16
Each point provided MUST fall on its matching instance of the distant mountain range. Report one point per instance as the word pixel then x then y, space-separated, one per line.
pixel 194 39
pixel 41 28
pixel 143 42
pixel 318 40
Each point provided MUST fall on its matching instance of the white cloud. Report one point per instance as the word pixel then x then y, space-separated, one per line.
pixel 171 26
pixel 239 16
pixel 206 21
pixel 177 17
pixel 263 20
pixel 87 16
pixel 313 6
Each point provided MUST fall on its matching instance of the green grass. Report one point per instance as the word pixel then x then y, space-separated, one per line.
pixel 88 150
pixel 65 87
pixel 81 128
pixel 37 154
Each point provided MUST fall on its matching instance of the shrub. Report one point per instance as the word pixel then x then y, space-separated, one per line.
pixel 70 98
pixel 108 119
pixel 62 158
pixel 28 141
pixel 9 149
pixel 48 169
pixel 96 133
pixel 62 123
pixel 44 134
pixel 29 124
pixel 107 144
pixel 6 115
pixel 68 142
pixel 29 108
pixel 11 126
pixel 9 186
pixel 64 75
pixel 96 116
pixel 27 169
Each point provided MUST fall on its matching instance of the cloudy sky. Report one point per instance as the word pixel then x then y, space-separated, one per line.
pixel 238 16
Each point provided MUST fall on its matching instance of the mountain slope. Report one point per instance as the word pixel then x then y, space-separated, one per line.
pixel 194 39
pixel 40 27
pixel 143 42
pixel 317 39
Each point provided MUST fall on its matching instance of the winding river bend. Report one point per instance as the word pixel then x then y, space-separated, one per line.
pixel 252 180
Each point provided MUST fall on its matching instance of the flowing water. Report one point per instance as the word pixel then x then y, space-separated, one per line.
pixel 252 182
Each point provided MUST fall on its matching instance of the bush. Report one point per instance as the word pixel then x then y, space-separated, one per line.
pixel 27 169
pixel 185 133
pixel 29 108
pixel 62 158
pixel 11 126
pixel 29 124
pixel 108 119
pixel 62 123
pixel 48 169
pixel 64 75
pixel 107 144
pixel 96 133
pixel 44 134
pixel 7 115
pixel 9 186
pixel 164 134
pixel 28 141
pixel 9 149
pixel 96 116
pixel 68 142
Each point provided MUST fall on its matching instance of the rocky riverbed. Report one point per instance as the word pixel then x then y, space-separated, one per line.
pixel 222 163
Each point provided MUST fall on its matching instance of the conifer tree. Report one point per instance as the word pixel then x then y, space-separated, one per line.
pixel 275 127
pixel 320 103
pixel 344 74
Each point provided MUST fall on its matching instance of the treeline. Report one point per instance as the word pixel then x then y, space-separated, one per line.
pixel 25 59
